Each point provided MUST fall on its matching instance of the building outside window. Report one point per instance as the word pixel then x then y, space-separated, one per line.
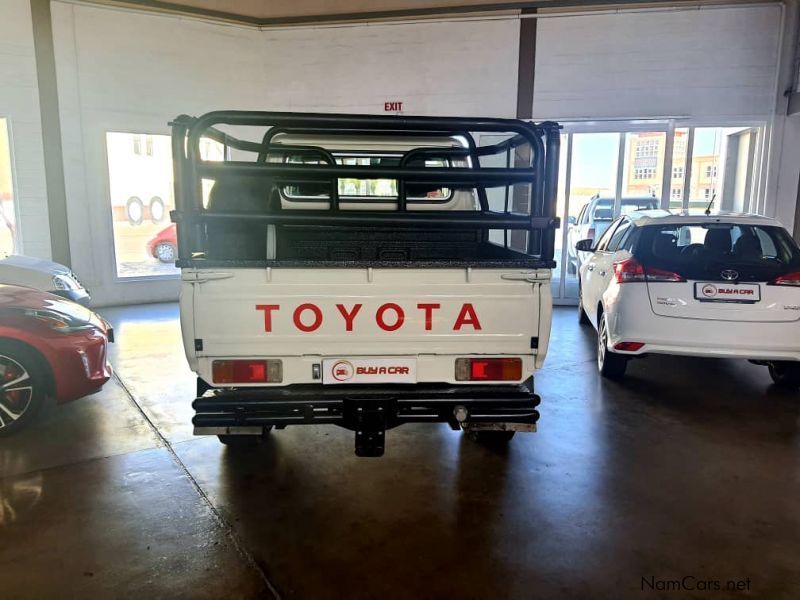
pixel 644 173
pixel 647 148
pixel 142 145
pixel 141 196
pixel 676 193
pixel 677 172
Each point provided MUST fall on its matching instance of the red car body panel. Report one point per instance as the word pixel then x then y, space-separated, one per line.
pixel 168 235
pixel 77 361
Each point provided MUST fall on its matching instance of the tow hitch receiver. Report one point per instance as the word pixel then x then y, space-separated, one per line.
pixel 369 417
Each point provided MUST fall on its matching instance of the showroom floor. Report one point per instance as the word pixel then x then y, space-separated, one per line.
pixel 686 468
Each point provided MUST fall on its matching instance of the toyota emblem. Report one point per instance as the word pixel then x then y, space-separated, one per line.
pixel 730 275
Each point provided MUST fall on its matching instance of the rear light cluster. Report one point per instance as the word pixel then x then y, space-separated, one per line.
pixel 628 346
pixel 488 369
pixel 791 279
pixel 631 270
pixel 247 371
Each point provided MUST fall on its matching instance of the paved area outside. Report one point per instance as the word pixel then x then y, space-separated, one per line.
pixel 685 471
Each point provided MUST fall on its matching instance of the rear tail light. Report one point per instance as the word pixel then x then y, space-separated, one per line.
pixel 247 371
pixel 628 346
pixel 790 279
pixel 590 233
pixel 631 270
pixel 488 369
pixel 627 271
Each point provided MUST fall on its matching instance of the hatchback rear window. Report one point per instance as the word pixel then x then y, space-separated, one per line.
pixel 704 250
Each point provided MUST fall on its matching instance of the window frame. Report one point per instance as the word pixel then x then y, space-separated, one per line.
pixel 624 222
pixel 602 243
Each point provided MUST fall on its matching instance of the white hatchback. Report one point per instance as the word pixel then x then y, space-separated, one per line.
pixel 725 285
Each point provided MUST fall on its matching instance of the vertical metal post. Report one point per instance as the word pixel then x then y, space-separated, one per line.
pixel 620 169
pixel 550 200
pixel 505 202
pixel 666 178
pixel 562 288
pixel 687 172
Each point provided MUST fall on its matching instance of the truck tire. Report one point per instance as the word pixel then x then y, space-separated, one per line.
pixel 157 209
pixel 785 374
pixel 610 364
pixel 134 210
pixel 243 441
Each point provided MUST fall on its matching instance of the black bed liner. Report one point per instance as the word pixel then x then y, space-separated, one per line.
pixel 233 232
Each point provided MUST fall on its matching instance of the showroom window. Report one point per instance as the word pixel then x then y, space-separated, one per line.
pixel 8 220
pixel 622 166
pixel 141 195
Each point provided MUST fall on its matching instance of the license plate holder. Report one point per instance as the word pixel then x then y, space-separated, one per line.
pixel 368 370
pixel 737 293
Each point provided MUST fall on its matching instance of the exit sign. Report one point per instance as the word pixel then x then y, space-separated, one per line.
pixel 393 106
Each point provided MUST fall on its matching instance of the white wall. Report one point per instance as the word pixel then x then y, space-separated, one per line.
pixel 712 63
pixel 19 102
pixel 702 66
pixel 127 71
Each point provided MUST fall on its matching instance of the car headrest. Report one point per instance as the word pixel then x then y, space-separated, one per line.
pixel 665 244
pixel 718 240
pixel 748 246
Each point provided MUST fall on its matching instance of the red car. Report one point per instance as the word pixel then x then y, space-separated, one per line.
pixel 49 348
pixel 164 246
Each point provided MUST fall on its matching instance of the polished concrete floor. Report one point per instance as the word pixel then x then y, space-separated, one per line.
pixel 687 471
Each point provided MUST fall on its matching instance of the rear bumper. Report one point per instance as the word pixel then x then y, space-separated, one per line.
pixel 338 405
pixel 695 337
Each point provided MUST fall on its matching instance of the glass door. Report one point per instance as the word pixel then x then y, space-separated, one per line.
pixel 587 187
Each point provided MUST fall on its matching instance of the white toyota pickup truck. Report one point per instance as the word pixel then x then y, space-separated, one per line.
pixel 365 271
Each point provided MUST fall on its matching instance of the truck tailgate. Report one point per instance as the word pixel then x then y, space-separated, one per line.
pixel 366 311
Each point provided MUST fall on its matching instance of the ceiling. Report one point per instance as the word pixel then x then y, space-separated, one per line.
pixel 277 12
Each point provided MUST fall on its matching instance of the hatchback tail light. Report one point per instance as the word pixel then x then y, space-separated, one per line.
pixel 247 371
pixel 488 369
pixel 590 233
pixel 631 270
pixel 790 279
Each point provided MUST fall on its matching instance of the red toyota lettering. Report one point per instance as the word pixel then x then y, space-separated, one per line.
pixel 268 308
pixel 467 316
pixel 428 308
pixel 398 311
pixel 317 317
pixel 349 316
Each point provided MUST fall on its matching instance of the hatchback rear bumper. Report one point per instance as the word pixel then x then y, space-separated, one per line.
pixel 696 337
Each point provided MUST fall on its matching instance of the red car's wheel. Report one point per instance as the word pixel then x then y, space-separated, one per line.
pixel 166 253
pixel 22 386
